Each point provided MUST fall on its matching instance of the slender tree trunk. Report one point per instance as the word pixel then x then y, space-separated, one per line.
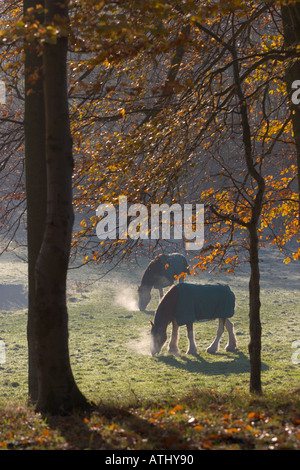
pixel 254 283
pixel 58 392
pixel 254 314
pixel 291 30
pixel 36 183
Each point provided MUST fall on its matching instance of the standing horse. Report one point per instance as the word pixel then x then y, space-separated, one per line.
pixel 184 304
pixel 159 274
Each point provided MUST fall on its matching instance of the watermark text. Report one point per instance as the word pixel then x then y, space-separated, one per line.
pixel 296 93
pixel 2 92
pixel 2 352
pixel 163 221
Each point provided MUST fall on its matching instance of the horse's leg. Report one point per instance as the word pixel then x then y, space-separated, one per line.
pixel 190 334
pixel 215 344
pixel 173 344
pixel 161 292
pixel 232 343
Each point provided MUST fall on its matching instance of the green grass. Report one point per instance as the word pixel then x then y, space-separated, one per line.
pixel 170 401
pixel 112 359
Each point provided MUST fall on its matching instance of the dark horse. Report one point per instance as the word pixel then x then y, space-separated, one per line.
pixel 161 273
pixel 184 304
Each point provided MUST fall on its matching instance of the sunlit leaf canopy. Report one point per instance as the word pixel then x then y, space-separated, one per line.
pixel 165 125
pixel 155 116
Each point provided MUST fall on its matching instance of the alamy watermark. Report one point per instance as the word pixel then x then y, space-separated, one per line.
pixel 296 94
pixel 296 354
pixel 163 221
pixel 2 352
pixel 2 92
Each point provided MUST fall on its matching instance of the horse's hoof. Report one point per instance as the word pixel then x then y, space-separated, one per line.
pixel 174 351
pixel 192 353
pixel 231 348
pixel 211 350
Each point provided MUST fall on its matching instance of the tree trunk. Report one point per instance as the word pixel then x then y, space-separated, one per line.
pixel 291 30
pixel 254 314
pixel 58 392
pixel 36 183
pixel 254 283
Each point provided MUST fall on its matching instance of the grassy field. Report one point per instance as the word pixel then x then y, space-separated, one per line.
pixel 109 349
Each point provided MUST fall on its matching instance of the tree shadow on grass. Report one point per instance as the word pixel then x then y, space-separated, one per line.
pixel 110 427
pixel 233 363
pixel 76 433
pixel 116 428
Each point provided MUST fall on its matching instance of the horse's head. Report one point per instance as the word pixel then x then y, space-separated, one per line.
pixel 158 338
pixel 144 297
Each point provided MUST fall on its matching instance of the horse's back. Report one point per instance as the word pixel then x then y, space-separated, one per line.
pixel 173 265
pixel 177 260
pixel 203 302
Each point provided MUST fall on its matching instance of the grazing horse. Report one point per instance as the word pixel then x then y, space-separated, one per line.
pixel 159 274
pixel 184 304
